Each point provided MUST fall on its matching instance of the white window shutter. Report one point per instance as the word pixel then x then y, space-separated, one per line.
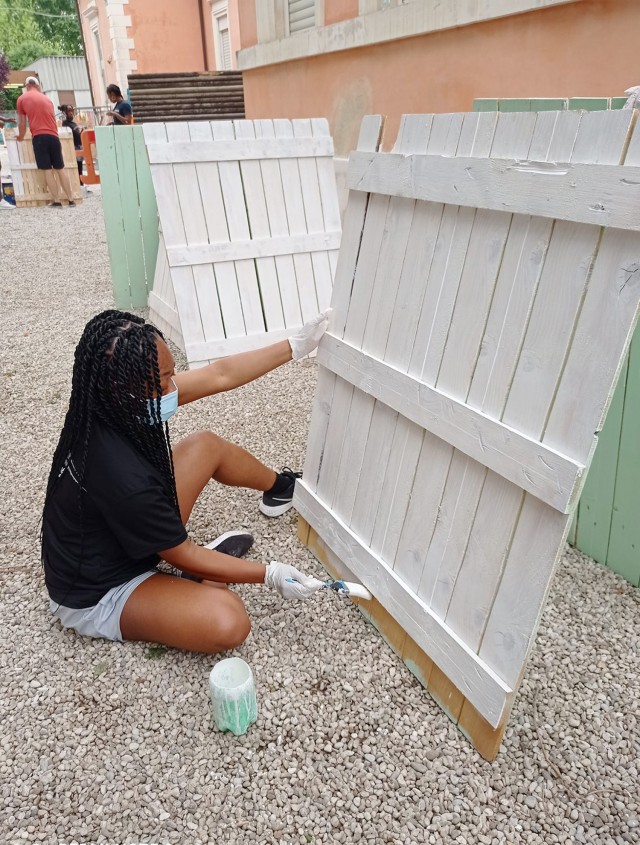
pixel 302 15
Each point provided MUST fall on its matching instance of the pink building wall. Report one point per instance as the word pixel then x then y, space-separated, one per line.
pixel 587 48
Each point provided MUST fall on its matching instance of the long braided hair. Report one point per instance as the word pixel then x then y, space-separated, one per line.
pixel 115 372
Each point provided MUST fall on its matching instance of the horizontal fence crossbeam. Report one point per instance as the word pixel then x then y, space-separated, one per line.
pixel 601 194
pixel 529 464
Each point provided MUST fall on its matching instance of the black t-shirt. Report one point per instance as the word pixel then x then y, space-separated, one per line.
pixel 77 132
pixel 124 109
pixel 128 517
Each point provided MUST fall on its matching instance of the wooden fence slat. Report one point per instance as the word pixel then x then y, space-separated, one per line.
pixel 573 192
pixel 369 138
pixel 148 207
pixel 535 467
pixel 595 510
pixel 481 685
pixel 258 247
pixel 532 559
pixel 113 215
pixel 224 148
pixel 260 233
pixel 279 227
pixel 624 545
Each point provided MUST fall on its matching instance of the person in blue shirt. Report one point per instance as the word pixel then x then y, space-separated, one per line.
pixel 121 114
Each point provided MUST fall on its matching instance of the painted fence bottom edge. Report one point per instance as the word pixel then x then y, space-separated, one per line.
pixel 485 739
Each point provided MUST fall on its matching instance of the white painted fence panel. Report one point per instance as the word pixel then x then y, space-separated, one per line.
pixel 251 231
pixel 487 287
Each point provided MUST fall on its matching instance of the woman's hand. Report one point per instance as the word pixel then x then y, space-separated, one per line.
pixel 290 582
pixel 309 336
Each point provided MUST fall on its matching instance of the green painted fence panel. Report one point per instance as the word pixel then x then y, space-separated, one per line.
pixel 485 105
pixel 596 503
pixel 130 213
pixel 548 104
pixel 148 207
pixel 113 220
pixel 589 103
pixel 624 545
pixel 513 104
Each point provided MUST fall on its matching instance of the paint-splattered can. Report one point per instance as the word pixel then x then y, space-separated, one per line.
pixel 233 695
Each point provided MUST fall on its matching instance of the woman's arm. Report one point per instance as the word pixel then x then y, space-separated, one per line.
pixel 234 371
pixel 227 373
pixel 213 566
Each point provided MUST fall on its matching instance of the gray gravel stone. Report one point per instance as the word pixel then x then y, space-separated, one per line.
pixel 113 747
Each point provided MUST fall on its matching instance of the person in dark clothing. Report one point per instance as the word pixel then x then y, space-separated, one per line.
pixel 121 113
pixel 119 494
pixel 68 113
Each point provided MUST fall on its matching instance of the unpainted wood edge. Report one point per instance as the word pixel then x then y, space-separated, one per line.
pixel 485 739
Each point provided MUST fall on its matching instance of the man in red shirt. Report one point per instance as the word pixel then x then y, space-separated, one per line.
pixel 46 143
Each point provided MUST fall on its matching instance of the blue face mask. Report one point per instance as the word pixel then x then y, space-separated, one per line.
pixel 168 405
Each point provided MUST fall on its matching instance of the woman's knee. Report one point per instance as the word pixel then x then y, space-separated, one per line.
pixel 202 442
pixel 232 625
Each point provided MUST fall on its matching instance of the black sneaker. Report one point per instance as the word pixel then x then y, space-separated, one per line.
pixel 55 205
pixel 234 543
pixel 71 203
pixel 275 503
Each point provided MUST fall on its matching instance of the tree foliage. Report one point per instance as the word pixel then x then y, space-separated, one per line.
pixel 27 32
pixel 5 69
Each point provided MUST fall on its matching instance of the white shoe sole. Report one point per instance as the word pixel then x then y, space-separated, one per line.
pixel 275 510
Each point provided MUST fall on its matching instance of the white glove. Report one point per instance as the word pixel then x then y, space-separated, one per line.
pixel 289 581
pixel 309 335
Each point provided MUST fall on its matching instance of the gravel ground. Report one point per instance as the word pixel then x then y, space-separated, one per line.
pixel 113 743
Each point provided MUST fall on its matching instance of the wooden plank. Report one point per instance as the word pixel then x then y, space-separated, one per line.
pixel 127 180
pixel 238 223
pixel 148 207
pixel 614 289
pixel 535 467
pixel 369 139
pixel 224 148
pixel 259 247
pixel 188 201
pixel 220 295
pixel 306 172
pixel 540 533
pixel 623 554
pixel 279 227
pixel 597 194
pixel 113 216
pixel 212 349
pixel 266 272
pixel 166 191
pixel 292 178
pixel 467 576
pixel 480 684
pixel 595 510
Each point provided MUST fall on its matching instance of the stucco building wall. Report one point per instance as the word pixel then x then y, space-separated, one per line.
pixel 583 48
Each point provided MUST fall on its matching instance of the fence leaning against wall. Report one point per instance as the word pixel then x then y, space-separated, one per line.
pixel 607 521
pixel 130 212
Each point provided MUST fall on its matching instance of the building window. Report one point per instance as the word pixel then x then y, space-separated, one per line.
pixel 302 15
pixel 222 36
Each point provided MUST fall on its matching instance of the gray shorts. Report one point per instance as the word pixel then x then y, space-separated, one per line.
pixel 103 619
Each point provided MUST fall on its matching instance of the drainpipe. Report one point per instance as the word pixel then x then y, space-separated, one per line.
pixel 84 48
pixel 203 37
